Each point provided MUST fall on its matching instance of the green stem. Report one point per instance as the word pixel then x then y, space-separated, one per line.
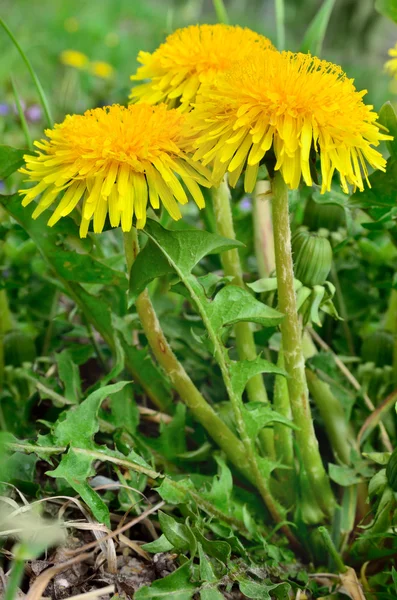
pixel 283 440
pixel 263 229
pixel 14 579
pixel 343 310
pixel 333 553
pixel 244 336
pixel 5 325
pixel 180 380
pixel 293 354
pixel 391 325
pixel 333 415
pixel 33 75
pixel 221 11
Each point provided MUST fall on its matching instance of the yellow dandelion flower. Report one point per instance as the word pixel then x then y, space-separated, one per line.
pixel 101 69
pixel 190 57
pixel 295 104
pixel 74 58
pixel 114 160
pixel 391 65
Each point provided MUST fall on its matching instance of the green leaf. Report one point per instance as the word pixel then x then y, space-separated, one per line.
pixel 206 571
pixel 75 469
pixel 211 594
pixel 185 248
pixel 19 467
pixel 159 545
pixel 222 487
pixel 175 492
pixel 11 159
pixel 242 371
pixel 172 439
pixel 258 415
pixel 315 33
pixel 260 591
pixel 81 422
pixel 382 192
pixel 69 374
pixel 84 268
pixel 388 118
pixel 125 412
pixel 387 8
pixel 178 534
pixel 176 586
pixel 216 548
pixel 233 304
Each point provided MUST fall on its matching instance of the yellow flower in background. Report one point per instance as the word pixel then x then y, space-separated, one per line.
pixel 113 160
pixel 295 104
pixel 101 69
pixel 391 65
pixel 74 58
pixel 190 57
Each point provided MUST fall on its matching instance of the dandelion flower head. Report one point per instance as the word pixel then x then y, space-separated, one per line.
pixel 114 160
pixel 391 65
pixel 189 57
pixel 101 69
pixel 74 58
pixel 294 104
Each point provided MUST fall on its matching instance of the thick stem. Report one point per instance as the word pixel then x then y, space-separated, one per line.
pixel 332 413
pixel 292 348
pixel 180 380
pixel 244 336
pixel 263 229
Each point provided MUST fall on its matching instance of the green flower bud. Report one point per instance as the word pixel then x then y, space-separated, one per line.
pixel 378 348
pixel 18 348
pixel 312 258
pixel 328 216
pixel 391 471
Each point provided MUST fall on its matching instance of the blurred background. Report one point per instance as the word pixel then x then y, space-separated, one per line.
pixel 85 51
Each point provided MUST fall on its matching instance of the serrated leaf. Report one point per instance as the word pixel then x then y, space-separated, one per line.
pixel 242 371
pixel 258 415
pixel 206 571
pixel 176 586
pixel 260 591
pixel 11 159
pixel 175 492
pixel 75 469
pixel 177 533
pixel 314 36
pixel 388 118
pixel 222 487
pixel 216 548
pixel 233 304
pixel 81 422
pixel 211 594
pixel 387 8
pixel 185 248
pixel 159 545
pixel 69 374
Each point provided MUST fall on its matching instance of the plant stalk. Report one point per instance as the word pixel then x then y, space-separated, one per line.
pixel 293 354
pixel 180 380
pixel 245 342
pixel 263 229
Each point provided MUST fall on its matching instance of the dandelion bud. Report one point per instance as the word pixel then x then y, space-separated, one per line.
pixel 378 348
pixel 312 258
pixel 319 215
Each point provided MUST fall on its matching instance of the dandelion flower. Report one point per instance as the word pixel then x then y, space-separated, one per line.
pixel 101 69
pixel 295 104
pixel 74 58
pixel 190 57
pixel 114 160
pixel 391 65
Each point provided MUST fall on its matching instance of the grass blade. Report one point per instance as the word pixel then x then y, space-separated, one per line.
pixel 40 91
pixel 221 11
pixel 280 23
pixel 21 115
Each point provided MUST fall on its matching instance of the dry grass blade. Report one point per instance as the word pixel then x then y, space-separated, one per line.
pixel 373 420
pixel 115 533
pixel 109 589
pixel 370 405
pixel 44 578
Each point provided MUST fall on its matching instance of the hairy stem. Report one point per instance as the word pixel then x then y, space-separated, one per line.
pixel 293 354
pixel 244 336
pixel 263 229
pixel 180 380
